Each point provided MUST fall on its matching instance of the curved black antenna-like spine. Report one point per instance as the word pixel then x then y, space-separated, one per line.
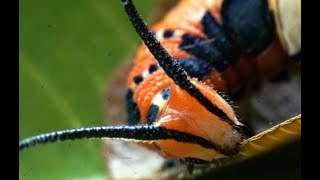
pixel 135 133
pixel 166 61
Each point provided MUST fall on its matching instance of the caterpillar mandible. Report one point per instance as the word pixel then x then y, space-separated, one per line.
pixel 212 61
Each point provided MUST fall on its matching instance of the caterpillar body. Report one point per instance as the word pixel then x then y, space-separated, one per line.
pixel 216 49
pixel 183 31
pixel 173 95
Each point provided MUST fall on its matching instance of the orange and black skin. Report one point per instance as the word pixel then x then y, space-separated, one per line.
pixel 223 44
pixel 173 96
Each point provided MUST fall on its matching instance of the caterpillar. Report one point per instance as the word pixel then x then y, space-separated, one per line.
pixel 176 95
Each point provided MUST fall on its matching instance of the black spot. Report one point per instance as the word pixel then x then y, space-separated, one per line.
pixel 153 68
pixel 188 39
pixel 205 50
pixel 138 79
pixel 168 33
pixel 195 67
pixel 165 93
pixel 221 41
pixel 250 22
pixel 132 108
pixel 152 114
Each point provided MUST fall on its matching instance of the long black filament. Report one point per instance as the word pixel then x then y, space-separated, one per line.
pixel 136 133
pixel 166 61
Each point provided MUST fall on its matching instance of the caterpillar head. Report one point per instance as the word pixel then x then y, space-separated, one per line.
pixel 185 113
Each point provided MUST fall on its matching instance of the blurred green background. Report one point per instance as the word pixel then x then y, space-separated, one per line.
pixel 67 52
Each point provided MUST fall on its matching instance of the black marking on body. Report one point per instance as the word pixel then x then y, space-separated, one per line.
pixel 168 33
pixel 195 67
pixel 205 50
pixel 165 93
pixel 153 68
pixel 132 109
pixel 152 114
pixel 138 79
pixel 221 41
pixel 250 22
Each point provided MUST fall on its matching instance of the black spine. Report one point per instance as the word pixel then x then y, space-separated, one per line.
pixel 140 133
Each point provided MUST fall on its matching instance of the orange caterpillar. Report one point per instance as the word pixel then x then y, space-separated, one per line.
pixel 216 51
pixel 173 99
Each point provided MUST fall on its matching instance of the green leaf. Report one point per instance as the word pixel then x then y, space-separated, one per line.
pixel 68 50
